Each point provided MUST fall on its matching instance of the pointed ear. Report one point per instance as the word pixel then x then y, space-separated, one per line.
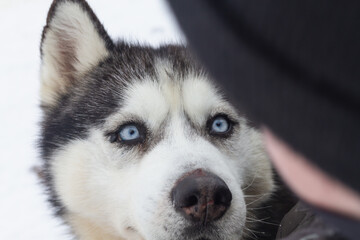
pixel 73 41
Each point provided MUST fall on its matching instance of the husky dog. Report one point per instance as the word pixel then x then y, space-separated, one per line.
pixel 138 143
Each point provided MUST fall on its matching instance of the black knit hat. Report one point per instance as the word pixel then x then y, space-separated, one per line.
pixel 294 65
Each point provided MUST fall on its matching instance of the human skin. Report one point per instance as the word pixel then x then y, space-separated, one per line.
pixel 308 181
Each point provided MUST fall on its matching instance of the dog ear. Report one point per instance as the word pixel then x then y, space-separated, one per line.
pixel 73 41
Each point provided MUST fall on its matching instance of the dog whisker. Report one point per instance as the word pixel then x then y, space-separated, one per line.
pixel 252 181
pixel 262 196
pixel 259 208
pixel 252 234
pixel 262 221
pixel 256 195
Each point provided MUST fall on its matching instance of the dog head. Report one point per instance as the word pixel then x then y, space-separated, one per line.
pixel 138 142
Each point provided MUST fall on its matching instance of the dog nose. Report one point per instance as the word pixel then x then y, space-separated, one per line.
pixel 201 196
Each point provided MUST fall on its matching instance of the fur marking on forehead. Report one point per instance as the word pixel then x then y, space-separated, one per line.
pixel 200 98
pixel 145 100
pixel 153 100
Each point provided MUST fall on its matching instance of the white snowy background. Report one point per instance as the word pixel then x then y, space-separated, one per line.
pixel 24 212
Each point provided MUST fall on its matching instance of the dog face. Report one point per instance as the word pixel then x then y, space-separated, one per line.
pixel 138 143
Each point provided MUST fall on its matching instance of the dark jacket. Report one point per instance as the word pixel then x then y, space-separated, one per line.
pixel 302 223
pixel 293 65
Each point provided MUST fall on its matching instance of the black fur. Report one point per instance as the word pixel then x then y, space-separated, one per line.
pixel 98 94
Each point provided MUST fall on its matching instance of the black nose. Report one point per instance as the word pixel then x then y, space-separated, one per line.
pixel 201 196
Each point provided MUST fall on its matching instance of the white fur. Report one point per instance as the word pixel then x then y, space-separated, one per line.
pixel 128 195
pixel 200 99
pixel 70 26
pixel 112 192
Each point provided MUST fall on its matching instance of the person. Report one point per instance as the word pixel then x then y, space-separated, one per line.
pixel 293 67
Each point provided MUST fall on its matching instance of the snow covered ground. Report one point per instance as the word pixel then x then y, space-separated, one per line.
pixel 24 213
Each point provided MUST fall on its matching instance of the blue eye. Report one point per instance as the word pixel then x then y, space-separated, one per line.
pixel 129 133
pixel 219 125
